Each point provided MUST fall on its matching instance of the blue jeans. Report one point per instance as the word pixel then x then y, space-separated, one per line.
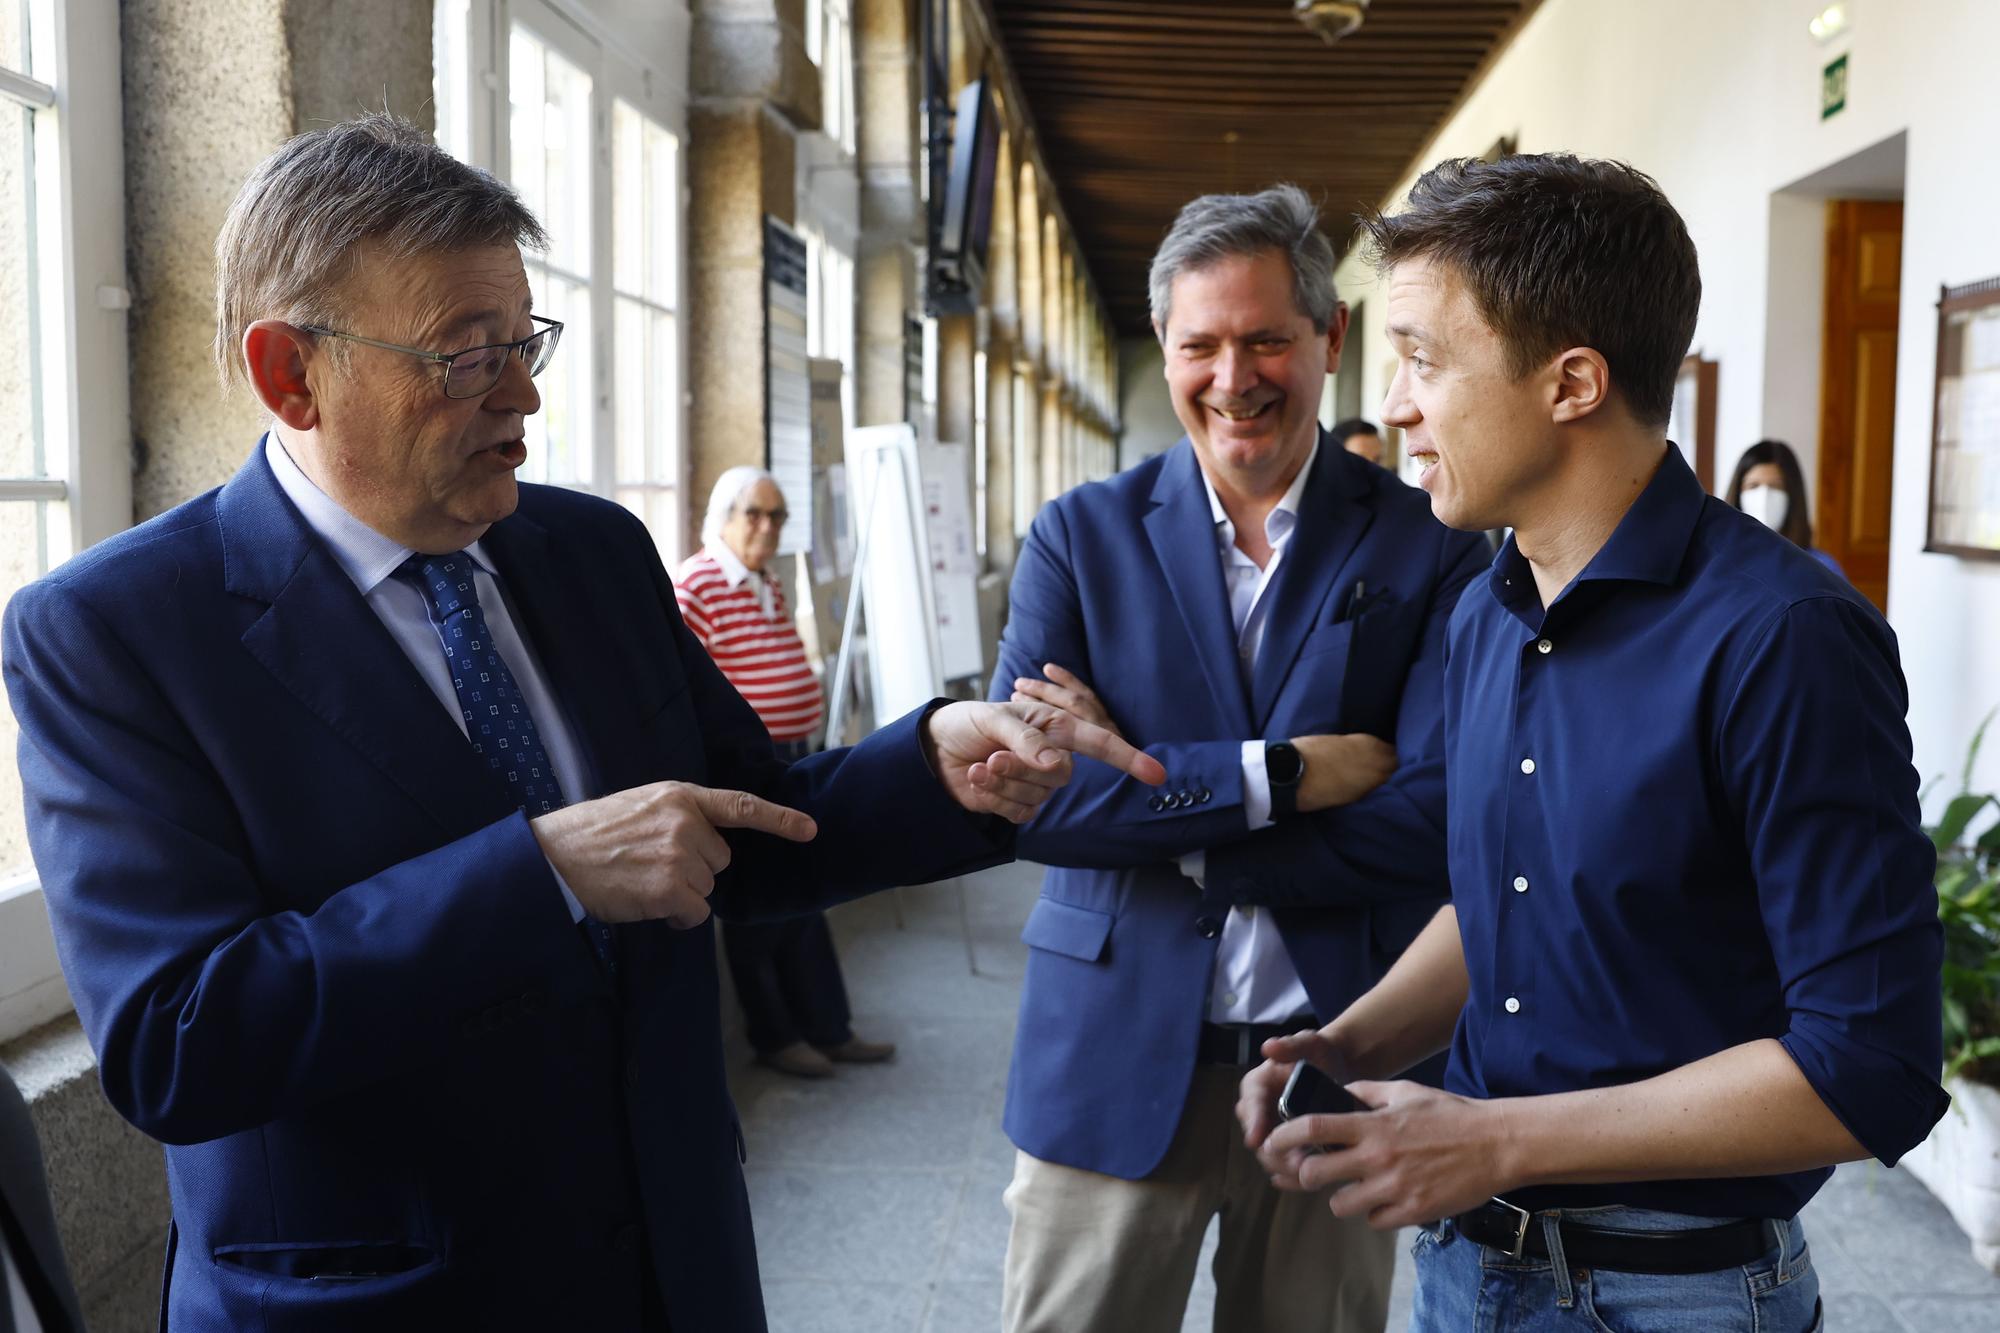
pixel 1464 1287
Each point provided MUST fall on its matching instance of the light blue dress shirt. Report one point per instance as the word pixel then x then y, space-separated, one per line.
pixel 1255 981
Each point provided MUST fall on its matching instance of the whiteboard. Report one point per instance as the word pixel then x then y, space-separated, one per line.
pixel 894 567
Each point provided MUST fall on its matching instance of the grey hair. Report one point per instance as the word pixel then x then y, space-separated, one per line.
pixel 1224 226
pixel 289 243
pixel 722 498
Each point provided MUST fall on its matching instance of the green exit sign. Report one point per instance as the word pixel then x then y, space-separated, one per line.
pixel 1833 88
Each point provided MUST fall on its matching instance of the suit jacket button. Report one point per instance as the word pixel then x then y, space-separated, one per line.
pixel 1185 797
pixel 1156 803
pixel 1208 927
pixel 1202 796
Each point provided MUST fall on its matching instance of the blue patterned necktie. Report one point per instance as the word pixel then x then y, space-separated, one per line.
pixel 497 720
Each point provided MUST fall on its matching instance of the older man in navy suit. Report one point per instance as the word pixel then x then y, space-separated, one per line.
pixel 381 802
pixel 1264 613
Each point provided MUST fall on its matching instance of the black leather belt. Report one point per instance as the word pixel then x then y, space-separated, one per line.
pixel 1517 1233
pixel 1242 1044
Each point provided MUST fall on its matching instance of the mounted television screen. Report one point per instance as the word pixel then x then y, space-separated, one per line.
pixel 968 199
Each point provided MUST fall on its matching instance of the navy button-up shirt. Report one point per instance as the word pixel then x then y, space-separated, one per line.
pixel 1683 816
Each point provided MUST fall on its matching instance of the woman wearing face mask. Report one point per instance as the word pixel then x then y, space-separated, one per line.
pixel 1769 487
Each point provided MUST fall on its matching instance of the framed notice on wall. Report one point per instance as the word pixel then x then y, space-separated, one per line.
pixel 788 446
pixel 1965 439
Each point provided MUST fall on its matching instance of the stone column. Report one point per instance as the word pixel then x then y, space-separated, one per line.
pixel 885 41
pixel 754 89
pixel 958 338
pixel 211 88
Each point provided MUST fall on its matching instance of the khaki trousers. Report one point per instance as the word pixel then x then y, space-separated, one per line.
pixel 1090 1253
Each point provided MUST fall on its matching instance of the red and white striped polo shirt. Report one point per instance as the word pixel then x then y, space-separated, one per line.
pixel 759 650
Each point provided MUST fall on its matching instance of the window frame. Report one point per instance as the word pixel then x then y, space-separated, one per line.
pixel 87 470
pixel 628 51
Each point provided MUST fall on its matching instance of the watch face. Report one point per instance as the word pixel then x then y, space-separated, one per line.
pixel 1283 764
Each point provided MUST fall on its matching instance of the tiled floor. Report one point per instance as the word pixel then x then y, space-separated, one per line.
pixel 877 1194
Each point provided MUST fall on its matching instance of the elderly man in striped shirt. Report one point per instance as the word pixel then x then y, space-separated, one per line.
pixel 787 974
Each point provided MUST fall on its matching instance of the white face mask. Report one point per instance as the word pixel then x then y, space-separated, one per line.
pixel 1767 504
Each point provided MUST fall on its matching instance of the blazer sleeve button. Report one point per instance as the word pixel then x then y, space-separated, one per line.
pixel 1207 927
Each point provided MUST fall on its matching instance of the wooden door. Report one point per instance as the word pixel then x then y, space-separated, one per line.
pixel 1857 424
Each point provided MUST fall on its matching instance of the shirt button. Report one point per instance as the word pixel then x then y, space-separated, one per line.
pixel 1513 1005
pixel 1229 998
pixel 1520 883
pixel 1527 765
pixel 1545 646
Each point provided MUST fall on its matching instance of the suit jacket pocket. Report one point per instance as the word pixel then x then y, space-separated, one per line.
pixel 332 1287
pixel 334 1260
pixel 1074 932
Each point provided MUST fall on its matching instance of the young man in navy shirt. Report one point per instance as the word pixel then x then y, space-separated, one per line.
pixel 1692 955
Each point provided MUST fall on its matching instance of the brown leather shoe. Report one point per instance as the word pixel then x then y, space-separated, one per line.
pixel 799 1060
pixel 855 1051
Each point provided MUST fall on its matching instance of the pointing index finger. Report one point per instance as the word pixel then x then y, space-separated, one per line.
pixel 740 809
pixel 1093 740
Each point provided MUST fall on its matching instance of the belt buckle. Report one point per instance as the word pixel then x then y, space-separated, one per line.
pixel 1520 1227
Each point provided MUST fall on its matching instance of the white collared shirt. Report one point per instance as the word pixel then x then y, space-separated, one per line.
pixel 371 559
pixel 736 573
pixel 1255 981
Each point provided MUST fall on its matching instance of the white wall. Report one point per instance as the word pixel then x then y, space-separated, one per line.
pixel 1719 100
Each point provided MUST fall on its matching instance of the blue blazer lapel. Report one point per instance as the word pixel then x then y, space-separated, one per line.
pixel 1331 521
pixel 1182 530
pixel 320 640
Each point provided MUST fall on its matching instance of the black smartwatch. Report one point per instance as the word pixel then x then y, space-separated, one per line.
pixel 1284 766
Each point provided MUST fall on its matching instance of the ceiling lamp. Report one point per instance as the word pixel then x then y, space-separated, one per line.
pixel 1331 19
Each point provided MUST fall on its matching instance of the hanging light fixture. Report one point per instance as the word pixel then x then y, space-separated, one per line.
pixel 1331 19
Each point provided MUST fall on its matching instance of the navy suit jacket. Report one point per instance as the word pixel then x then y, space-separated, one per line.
pixel 1120 582
pixel 320 954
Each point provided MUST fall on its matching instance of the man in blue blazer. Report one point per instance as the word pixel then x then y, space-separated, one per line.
pixel 1264 614
pixel 379 803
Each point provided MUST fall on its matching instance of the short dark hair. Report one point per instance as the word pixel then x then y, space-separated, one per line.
pixel 289 242
pixel 1798 514
pixel 1341 430
pixel 1561 251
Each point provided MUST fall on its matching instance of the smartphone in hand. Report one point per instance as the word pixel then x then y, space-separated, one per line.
pixel 1309 1091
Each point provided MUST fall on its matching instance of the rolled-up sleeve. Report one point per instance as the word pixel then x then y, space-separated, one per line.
pixel 1817 761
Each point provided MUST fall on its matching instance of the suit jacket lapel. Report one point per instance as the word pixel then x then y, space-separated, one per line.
pixel 321 641
pixel 1331 521
pixel 1182 530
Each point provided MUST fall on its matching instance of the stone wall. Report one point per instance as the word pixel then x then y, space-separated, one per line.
pixel 107 1179
pixel 211 88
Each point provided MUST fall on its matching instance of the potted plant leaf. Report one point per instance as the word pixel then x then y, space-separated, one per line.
pixel 1960 1161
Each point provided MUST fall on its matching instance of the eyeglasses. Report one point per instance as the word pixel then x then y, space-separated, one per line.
pixel 475 370
pixel 756 515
